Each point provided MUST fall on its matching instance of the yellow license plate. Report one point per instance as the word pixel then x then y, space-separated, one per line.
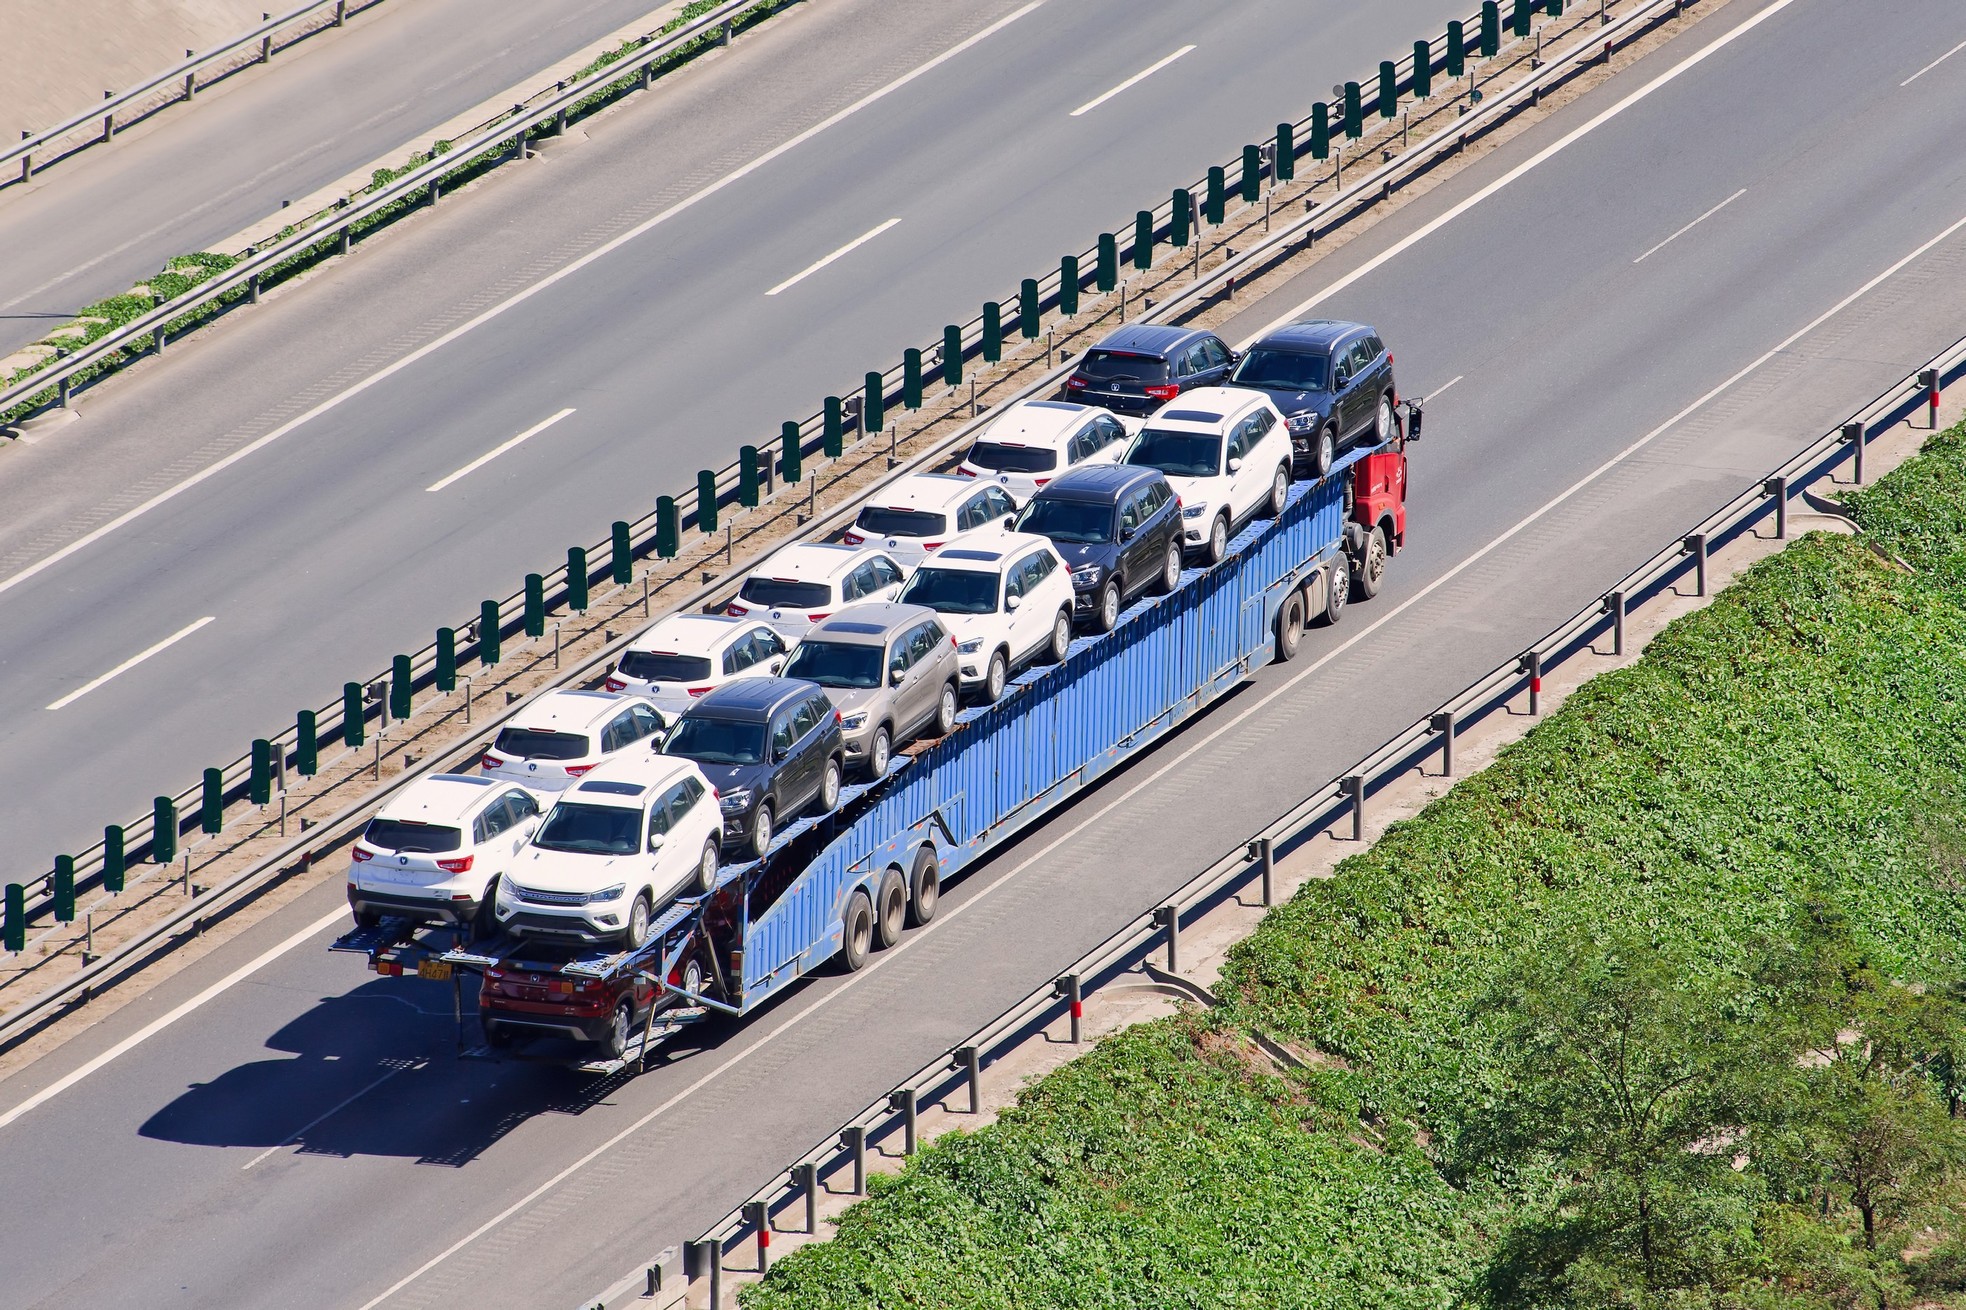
pixel 437 970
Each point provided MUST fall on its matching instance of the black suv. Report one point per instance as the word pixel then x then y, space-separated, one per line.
pixel 1332 380
pixel 1117 527
pixel 771 747
pixel 1141 367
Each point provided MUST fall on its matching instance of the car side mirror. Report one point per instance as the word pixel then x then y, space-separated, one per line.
pixel 1126 534
pixel 777 665
pixel 1009 522
pixel 1342 380
pixel 1235 463
pixel 1012 602
pixel 895 674
pixel 1235 358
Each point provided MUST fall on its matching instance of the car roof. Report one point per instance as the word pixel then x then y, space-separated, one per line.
pixel 1312 334
pixel 1210 407
pixel 1151 338
pixel 749 698
pixel 867 625
pixel 649 772
pixel 1099 482
pixel 814 561
pixel 1046 423
pixel 693 634
pixel 570 711
pixel 924 491
pixel 985 550
pixel 442 798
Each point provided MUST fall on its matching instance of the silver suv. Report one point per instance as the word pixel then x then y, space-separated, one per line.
pixel 892 672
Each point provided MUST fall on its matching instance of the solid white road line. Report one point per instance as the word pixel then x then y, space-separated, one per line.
pixel 1442 387
pixel 326 1114
pixel 1690 226
pixel 1934 64
pixel 846 249
pixel 159 1024
pixel 514 300
pixel 1140 76
pixel 498 450
pixel 1542 156
pixel 131 662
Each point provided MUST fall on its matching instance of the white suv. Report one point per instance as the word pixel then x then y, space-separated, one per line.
pixel 1006 597
pixel 1033 441
pixel 616 848
pixel 800 585
pixel 562 734
pixel 923 510
pixel 436 850
pixel 1227 453
pixel 689 655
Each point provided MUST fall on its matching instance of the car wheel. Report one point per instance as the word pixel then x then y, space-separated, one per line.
pixel 621 1031
pixel 1061 636
pixel 924 888
pixel 706 868
pixel 497 1035
pixel 879 751
pixel 1218 539
pixel 857 939
pixel 995 678
pixel 1370 573
pixel 1335 596
pixel 763 829
pixel 1325 453
pixel 638 920
pixel 365 918
pixel 947 708
pixel 1290 626
pixel 829 788
pixel 1384 427
pixel 484 924
pixel 1279 491
pixel 692 979
pixel 890 908
pixel 1170 568
pixel 1108 616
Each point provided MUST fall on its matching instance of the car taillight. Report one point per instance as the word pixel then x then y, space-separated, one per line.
pixel 699 691
pixel 852 538
pixel 836 716
pixel 965 471
pixel 1039 482
pixel 457 866
pixel 1075 382
pixel 362 856
pixel 1163 391
pixel 575 770
pixel 815 618
pixel 933 545
pixel 491 761
pixel 615 684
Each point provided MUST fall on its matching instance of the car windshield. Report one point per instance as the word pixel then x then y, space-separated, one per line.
pixel 541 744
pixel 901 522
pixel 1082 521
pixel 1286 370
pixel 1178 454
pixel 409 835
pixel 999 458
pixel 663 666
pixel 591 830
pixel 718 741
pixel 785 593
pixel 1105 365
pixel 836 664
pixel 952 591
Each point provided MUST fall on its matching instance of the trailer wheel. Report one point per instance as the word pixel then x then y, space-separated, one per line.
pixel 891 908
pixel 1290 626
pixel 858 938
pixel 924 888
pixel 1369 573
pixel 621 1031
pixel 1337 591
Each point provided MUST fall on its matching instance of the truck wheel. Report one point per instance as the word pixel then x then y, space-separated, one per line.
pixel 1280 490
pixel 1369 573
pixel 858 938
pixel 1218 539
pixel 891 908
pixel 621 1031
pixel 1170 569
pixel 1061 636
pixel 1108 615
pixel 1290 626
pixel 996 677
pixel 1325 453
pixel 924 888
pixel 1337 591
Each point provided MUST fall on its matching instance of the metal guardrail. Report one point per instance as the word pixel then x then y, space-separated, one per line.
pixel 139 836
pixel 184 73
pixel 1128 949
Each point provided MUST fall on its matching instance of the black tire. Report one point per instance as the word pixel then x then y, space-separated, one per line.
pixel 706 867
pixel 947 707
pixel 1324 453
pixel 879 751
pixel 1385 424
pixel 1107 616
pixel 621 1032
pixel 1061 636
pixel 1369 570
pixel 890 908
pixel 996 676
pixel 639 915
pixel 692 976
pixel 484 924
pixel 1170 569
pixel 924 888
pixel 1218 539
pixel 497 1035
pixel 1279 491
pixel 828 799
pixel 365 918
pixel 1335 597
pixel 764 827
pixel 858 938
pixel 1290 627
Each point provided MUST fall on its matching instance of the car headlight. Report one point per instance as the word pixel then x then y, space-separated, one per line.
pixel 1299 424
pixel 1193 511
pixel 613 893
pixel 853 722
pixel 735 800
pixel 504 892
pixel 1086 576
pixel 971 646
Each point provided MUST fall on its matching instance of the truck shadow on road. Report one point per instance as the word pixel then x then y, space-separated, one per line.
pixel 375 1072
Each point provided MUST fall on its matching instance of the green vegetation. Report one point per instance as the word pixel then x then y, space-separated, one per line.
pixel 1659 1010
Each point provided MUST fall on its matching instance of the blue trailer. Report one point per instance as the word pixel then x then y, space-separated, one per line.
pixel 843 885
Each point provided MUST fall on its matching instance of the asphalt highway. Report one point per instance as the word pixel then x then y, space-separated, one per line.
pixel 1604 369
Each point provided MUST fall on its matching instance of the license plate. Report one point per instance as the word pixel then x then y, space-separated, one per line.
pixel 435 970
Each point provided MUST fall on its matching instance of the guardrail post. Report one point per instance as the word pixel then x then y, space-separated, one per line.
pixel 1215 203
pixel 535 616
pixel 1388 89
pixel 1266 864
pixel 970 1059
pixel 854 1142
pixel 758 1215
pixel 993 330
pixel 724 38
pixel 1928 381
pixel 265 42
pixel 340 13
pixel 715 1260
pixel 211 814
pixel 790 457
pixel 1853 434
pixel 1067 986
pixel 26 160
pixel 115 858
pixel 261 786
pixel 16 924
pixel 805 1177
pixel 1354 112
pixel 902 1102
pixel 1614 605
pixel 873 406
pixel 1168 918
pixel 1443 722
pixel 1355 793
pixel 64 889
pixel 1778 487
pixel 158 338
pixel 1531 666
pixel 163 829
pixel 1696 546
pixel 1491 29
pixel 1457 49
pixel 577 576
pixel 108 119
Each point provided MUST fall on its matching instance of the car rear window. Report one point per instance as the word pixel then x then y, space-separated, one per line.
pixel 952 591
pixel 1177 454
pixel 541 744
pixel 664 666
pixel 717 741
pixel 1106 365
pixel 901 522
pixel 591 830
pixel 1081 521
pixel 1286 369
pixel 836 664
pixel 786 593
pixel 1000 458
pixel 408 835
